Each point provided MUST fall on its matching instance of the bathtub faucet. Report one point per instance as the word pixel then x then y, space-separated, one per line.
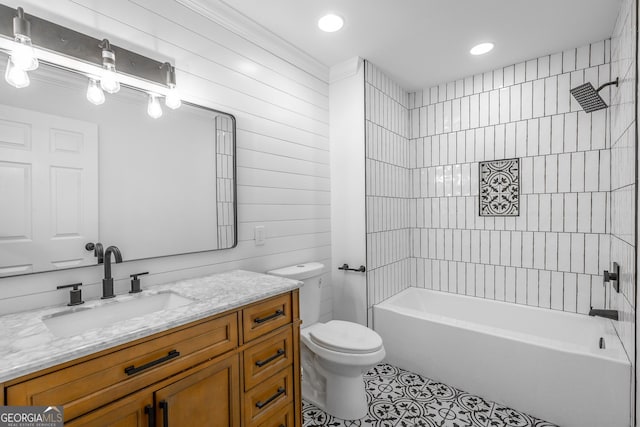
pixel 609 314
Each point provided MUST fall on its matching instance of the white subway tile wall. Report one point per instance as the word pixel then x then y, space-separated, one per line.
pixel 623 174
pixel 551 255
pixel 389 202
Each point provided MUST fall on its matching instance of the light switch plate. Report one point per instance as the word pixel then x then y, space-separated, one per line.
pixel 259 235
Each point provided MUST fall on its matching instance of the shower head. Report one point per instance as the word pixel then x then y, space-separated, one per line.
pixel 589 98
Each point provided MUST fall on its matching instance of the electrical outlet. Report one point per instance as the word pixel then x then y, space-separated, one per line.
pixel 259 235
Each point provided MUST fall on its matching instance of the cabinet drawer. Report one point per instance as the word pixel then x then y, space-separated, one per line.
pixel 267 398
pixel 266 316
pixel 90 384
pixel 284 418
pixel 267 356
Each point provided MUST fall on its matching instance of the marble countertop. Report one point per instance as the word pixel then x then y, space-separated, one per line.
pixel 27 345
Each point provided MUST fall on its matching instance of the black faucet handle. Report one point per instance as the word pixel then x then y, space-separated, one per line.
pixel 75 295
pixel 135 282
pixel 73 285
pixel 135 276
pixel 613 276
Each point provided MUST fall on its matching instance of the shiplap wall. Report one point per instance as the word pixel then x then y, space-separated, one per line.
pixel 623 175
pixel 280 100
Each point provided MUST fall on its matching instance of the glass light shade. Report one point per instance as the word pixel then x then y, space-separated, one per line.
pixel 95 95
pixel 154 110
pixel 172 100
pixel 109 81
pixel 23 55
pixel 15 76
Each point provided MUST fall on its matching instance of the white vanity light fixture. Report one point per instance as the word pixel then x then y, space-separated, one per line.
pixel 330 23
pixel 95 95
pixel 23 55
pixel 29 42
pixel 154 110
pixel 481 49
pixel 172 98
pixel 109 80
pixel 15 76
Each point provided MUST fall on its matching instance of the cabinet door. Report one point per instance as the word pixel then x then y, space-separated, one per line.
pixel 207 398
pixel 132 411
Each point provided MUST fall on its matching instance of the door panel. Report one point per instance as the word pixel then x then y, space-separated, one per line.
pixel 131 411
pixel 49 165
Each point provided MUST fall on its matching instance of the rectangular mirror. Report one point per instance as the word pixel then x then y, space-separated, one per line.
pixel 72 173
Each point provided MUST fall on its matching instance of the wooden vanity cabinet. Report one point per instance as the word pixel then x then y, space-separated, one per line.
pixel 247 375
pixel 205 396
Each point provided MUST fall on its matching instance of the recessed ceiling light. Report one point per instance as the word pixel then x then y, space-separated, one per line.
pixel 481 49
pixel 330 23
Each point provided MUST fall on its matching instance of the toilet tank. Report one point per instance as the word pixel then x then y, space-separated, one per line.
pixel 310 294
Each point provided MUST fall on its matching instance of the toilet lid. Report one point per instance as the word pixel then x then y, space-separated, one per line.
pixel 346 337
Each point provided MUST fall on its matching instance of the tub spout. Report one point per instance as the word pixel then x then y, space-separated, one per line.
pixel 609 314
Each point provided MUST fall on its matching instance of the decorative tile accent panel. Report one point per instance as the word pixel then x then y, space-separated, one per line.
pixel 387 188
pixel 500 188
pixel 552 254
pixel 401 398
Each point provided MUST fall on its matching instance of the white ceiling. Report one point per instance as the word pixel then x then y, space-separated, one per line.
pixel 420 43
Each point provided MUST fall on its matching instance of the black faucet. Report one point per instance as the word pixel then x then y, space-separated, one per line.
pixel 107 282
pixel 609 314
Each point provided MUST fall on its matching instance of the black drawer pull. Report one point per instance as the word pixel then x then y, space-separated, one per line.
pixel 278 313
pixel 130 370
pixel 281 390
pixel 152 415
pixel 261 363
pixel 164 405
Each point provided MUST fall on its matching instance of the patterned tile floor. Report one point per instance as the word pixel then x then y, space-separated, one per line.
pixel 401 398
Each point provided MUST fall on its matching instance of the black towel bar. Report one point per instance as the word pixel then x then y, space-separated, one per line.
pixel 345 267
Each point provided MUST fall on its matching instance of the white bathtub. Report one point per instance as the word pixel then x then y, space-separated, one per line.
pixel 542 362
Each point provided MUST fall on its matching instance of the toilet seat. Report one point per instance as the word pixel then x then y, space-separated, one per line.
pixel 346 337
pixel 339 357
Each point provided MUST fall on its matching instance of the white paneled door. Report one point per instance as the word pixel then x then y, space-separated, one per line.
pixel 48 191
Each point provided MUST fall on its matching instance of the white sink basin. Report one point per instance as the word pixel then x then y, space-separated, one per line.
pixel 81 319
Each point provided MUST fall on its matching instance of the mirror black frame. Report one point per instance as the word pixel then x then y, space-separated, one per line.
pixel 234 186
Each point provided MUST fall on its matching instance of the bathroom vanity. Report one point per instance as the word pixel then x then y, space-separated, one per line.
pixel 233 359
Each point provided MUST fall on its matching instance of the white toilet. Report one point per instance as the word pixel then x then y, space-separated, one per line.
pixel 334 354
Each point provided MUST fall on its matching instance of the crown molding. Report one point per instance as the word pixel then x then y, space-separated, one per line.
pixel 233 20
pixel 345 69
